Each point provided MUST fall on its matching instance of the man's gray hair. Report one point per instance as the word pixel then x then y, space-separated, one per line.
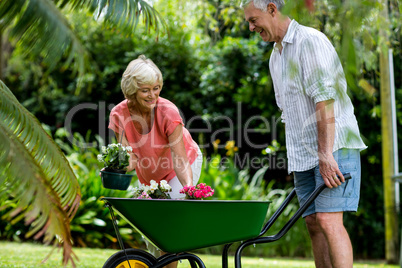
pixel 263 4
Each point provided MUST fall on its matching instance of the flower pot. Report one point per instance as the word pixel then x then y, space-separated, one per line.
pixel 115 181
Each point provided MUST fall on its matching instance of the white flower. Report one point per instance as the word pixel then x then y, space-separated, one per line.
pixel 100 158
pixel 154 186
pixel 103 150
pixel 137 192
pixel 129 148
pixel 165 186
pixel 146 188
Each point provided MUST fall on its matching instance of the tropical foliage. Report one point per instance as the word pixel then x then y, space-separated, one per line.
pixel 36 181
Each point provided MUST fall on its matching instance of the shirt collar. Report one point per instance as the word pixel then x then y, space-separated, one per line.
pixel 290 33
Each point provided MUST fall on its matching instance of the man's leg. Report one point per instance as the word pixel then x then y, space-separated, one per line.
pixel 331 203
pixel 330 240
pixel 319 243
pixel 305 185
pixel 340 247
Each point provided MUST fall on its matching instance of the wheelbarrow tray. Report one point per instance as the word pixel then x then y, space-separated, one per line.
pixel 182 225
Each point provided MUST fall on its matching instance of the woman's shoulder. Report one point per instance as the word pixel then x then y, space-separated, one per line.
pixel 166 106
pixel 119 108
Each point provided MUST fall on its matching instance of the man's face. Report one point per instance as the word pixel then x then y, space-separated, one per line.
pixel 261 22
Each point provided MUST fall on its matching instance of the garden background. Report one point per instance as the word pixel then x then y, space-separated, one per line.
pixel 217 73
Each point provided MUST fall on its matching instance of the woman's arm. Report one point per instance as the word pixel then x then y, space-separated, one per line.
pixel 133 158
pixel 179 156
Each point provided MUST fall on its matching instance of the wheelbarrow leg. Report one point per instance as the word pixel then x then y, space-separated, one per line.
pixel 116 228
pixel 225 256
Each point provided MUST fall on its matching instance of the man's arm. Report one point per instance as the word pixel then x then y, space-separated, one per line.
pixel 326 136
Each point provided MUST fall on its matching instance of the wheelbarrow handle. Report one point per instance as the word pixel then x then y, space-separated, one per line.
pixel 267 239
pixel 347 176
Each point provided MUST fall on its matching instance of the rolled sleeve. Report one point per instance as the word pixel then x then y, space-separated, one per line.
pixel 172 126
pixel 321 92
pixel 115 122
pixel 171 119
pixel 320 66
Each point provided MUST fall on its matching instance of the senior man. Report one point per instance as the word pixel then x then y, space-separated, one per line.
pixel 322 136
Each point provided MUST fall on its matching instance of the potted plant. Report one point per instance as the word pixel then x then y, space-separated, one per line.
pixel 115 158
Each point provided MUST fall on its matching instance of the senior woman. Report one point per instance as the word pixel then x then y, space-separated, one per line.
pixel 163 148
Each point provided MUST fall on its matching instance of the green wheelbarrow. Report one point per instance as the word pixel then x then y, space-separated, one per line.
pixel 179 226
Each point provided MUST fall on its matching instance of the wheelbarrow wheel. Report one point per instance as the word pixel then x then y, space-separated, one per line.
pixel 137 259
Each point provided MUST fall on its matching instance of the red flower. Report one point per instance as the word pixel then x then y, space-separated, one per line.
pixel 197 192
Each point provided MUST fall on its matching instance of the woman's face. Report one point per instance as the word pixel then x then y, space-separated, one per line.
pixel 147 95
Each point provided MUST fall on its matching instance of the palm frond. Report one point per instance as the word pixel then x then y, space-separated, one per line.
pixel 126 14
pixel 35 175
pixel 44 31
pixel 41 26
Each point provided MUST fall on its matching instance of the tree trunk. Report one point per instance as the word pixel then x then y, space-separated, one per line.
pixel 391 216
pixel 1 57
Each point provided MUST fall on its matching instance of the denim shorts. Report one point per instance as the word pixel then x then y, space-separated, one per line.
pixel 342 198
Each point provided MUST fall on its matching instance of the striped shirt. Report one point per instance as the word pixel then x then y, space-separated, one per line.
pixel 306 72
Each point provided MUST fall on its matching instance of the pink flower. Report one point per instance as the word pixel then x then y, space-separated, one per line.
pixel 197 192
pixel 144 195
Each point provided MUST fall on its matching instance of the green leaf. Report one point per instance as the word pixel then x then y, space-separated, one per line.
pixel 35 174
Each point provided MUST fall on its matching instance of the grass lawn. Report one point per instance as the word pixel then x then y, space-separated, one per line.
pixel 27 255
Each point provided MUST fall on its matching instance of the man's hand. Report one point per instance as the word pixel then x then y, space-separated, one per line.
pixel 329 170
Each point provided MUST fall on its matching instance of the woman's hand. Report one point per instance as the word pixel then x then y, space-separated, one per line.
pixel 100 174
pixel 132 162
pixel 133 157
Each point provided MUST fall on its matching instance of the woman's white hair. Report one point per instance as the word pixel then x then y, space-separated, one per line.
pixel 263 4
pixel 141 71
